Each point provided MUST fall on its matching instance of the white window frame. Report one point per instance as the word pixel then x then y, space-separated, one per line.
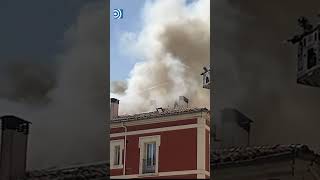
pixel 142 142
pixel 113 144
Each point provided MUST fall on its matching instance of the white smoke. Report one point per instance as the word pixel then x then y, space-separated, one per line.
pixel 174 46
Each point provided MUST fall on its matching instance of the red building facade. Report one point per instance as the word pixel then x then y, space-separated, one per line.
pixel 161 144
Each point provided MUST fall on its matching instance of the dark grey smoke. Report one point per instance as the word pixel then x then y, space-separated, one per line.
pixel 71 126
pixel 256 73
pixel 26 80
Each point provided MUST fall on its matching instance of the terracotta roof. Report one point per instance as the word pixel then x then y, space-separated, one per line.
pixel 163 112
pixel 98 171
pixel 234 156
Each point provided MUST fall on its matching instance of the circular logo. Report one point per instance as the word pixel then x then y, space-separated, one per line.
pixel 117 13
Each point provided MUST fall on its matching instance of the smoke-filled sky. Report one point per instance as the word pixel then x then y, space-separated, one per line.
pixel 58 84
pixel 256 72
pixel 169 50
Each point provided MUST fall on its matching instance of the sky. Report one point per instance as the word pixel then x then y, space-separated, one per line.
pixel 120 62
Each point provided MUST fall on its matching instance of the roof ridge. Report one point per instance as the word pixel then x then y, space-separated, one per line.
pixel 235 155
pixel 72 166
pixel 155 114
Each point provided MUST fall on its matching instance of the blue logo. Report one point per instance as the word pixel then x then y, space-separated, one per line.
pixel 118 13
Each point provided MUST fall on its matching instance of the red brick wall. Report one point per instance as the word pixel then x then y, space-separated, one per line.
pixel 177 151
pixel 116 172
pixel 133 153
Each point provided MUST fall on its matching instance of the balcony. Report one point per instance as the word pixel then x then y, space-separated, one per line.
pixel 206 78
pixel 149 166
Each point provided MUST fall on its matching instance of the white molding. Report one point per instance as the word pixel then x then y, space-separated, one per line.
pixel 146 139
pixel 180 117
pixel 209 152
pixel 207 128
pixel 169 173
pixel 142 141
pixel 201 145
pixel 201 176
pixel 171 128
pixel 114 143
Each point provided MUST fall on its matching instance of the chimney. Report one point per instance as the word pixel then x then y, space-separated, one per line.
pixel 14 142
pixel 114 107
pixel 183 102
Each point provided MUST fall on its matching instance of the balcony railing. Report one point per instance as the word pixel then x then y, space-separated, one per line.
pixel 149 166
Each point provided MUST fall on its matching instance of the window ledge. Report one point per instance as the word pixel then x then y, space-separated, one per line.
pixel 116 167
pixel 148 174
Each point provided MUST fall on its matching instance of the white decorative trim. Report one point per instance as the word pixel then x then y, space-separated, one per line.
pixel 170 173
pixel 112 146
pixel 181 117
pixel 201 145
pixel 142 141
pixel 209 151
pixel 201 176
pixel 171 128
pixel 207 128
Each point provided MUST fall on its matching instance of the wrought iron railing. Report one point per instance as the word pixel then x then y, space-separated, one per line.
pixel 149 166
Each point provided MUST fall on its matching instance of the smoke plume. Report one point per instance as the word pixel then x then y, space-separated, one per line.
pixel 66 103
pixel 255 71
pixel 174 47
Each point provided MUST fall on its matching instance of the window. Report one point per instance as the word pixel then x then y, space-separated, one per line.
pixel 149 160
pixel 300 64
pixel 116 153
pixel 312 59
pixel 149 154
pixel 310 38
pixel 207 80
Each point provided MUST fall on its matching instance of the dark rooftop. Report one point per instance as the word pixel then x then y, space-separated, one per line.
pixel 97 171
pixel 13 118
pixel 240 155
pixel 161 112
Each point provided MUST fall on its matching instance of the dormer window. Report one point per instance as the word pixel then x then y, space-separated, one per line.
pixel 207 80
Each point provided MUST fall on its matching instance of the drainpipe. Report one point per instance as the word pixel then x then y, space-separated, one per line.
pixel 125 148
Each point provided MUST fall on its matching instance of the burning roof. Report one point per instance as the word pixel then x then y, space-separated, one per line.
pixel 161 112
